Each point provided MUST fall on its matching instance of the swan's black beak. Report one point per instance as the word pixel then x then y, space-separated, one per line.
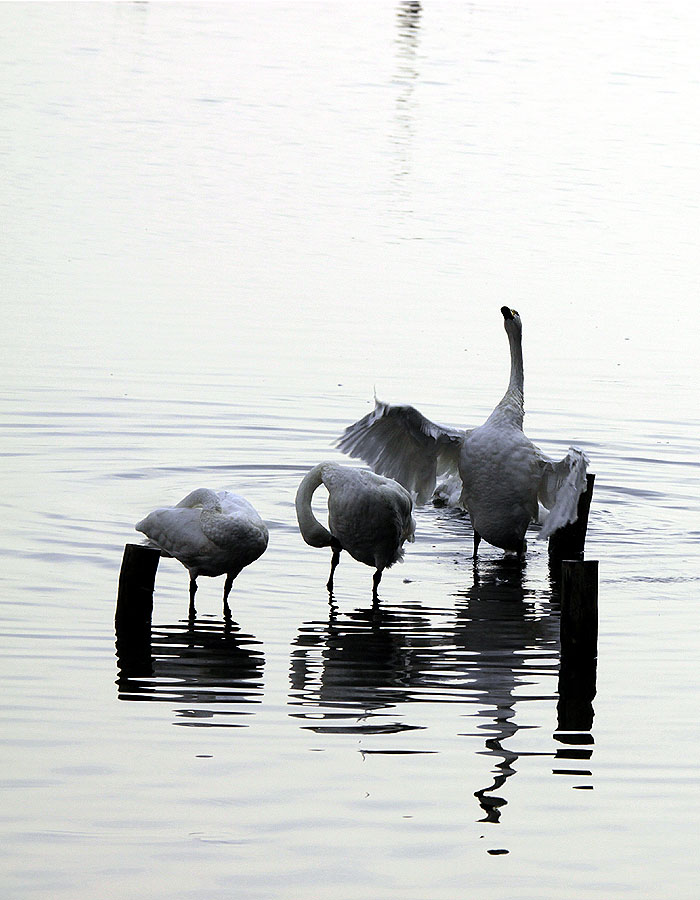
pixel 507 313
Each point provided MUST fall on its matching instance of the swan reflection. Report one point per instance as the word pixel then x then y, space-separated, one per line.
pixel 494 653
pixel 209 665
pixel 359 665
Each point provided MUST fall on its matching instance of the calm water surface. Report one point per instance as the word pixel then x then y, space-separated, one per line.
pixel 225 227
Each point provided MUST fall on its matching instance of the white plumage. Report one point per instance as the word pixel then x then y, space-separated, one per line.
pixel 211 533
pixel 368 515
pixel 503 474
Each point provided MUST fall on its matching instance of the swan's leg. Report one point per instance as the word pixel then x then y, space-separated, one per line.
pixel 227 590
pixel 477 541
pixel 335 559
pixel 193 591
pixel 375 584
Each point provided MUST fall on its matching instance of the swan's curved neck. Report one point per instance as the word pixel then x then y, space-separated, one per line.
pixel 512 406
pixel 203 497
pixel 311 529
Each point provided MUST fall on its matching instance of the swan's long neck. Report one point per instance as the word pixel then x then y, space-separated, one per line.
pixel 512 408
pixel 315 534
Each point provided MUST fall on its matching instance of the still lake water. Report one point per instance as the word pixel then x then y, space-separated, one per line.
pixel 225 226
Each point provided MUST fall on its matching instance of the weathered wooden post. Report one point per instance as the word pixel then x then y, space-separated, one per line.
pixel 569 542
pixel 136 581
pixel 132 620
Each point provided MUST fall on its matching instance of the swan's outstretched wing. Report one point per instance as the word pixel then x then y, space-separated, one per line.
pixel 561 484
pixel 398 441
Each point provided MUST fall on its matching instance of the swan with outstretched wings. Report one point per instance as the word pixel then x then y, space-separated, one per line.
pixel 502 476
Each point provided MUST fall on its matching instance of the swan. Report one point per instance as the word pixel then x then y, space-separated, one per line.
pixel 210 533
pixel 502 476
pixel 368 515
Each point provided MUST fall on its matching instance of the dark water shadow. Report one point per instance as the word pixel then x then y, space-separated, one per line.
pixel 497 648
pixel 575 712
pixel 351 668
pixel 207 664
pixel 507 639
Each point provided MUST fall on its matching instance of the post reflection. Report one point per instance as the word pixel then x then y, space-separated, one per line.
pixel 494 652
pixel 408 15
pixel 209 665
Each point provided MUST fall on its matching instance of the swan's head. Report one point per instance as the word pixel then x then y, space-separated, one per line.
pixel 511 319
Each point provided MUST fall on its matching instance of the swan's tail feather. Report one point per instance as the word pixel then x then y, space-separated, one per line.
pixel 560 488
pixel 408 532
pixel 408 535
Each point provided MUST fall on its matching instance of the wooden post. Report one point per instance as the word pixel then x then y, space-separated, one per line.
pixel 579 607
pixel 136 581
pixel 569 542
pixel 132 619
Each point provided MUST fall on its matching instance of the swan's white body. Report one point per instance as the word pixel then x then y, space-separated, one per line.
pixel 504 476
pixel 211 533
pixel 368 515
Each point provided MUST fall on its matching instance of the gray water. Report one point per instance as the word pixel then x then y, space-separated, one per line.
pixel 225 227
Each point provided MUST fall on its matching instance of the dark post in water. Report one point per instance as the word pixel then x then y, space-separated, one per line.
pixel 132 620
pixel 136 581
pixel 579 606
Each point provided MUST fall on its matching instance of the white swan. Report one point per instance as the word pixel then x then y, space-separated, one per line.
pixel 210 533
pixel 368 515
pixel 503 474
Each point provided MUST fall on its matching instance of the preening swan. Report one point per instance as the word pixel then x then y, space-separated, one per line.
pixel 503 474
pixel 210 533
pixel 368 515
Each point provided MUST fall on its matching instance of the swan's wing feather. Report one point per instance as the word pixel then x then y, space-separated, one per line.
pixel 398 441
pixel 561 485
pixel 177 531
pixel 234 505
